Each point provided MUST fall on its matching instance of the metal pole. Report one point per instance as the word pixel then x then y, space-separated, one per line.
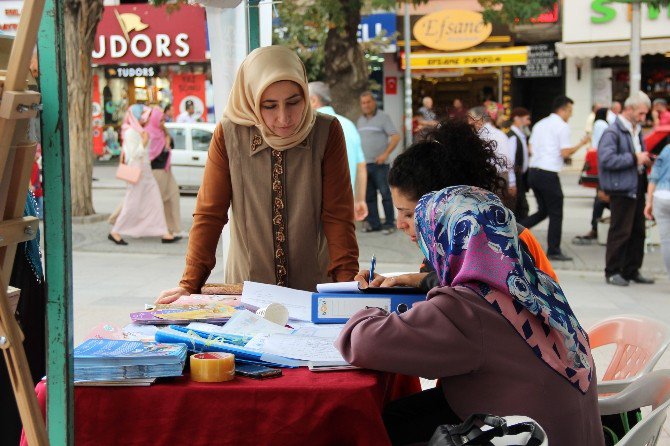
pixel 635 43
pixel 57 224
pixel 408 77
pixel 254 25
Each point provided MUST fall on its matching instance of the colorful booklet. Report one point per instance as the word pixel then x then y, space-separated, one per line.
pixel 184 314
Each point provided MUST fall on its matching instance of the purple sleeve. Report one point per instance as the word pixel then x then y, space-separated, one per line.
pixel 425 341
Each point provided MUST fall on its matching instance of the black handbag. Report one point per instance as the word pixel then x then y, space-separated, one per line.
pixel 470 432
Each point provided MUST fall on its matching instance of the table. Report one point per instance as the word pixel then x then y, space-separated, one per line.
pixel 299 408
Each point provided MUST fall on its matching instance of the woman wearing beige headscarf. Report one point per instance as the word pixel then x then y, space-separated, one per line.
pixel 284 170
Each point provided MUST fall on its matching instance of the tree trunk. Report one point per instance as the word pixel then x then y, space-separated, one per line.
pixel 345 66
pixel 81 21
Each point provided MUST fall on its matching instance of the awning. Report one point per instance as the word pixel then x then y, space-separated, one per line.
pixel 495 57
pixel 589 50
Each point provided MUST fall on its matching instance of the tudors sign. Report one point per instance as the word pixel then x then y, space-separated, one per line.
pixel 144 34
pixel 452 29
pixel 128 72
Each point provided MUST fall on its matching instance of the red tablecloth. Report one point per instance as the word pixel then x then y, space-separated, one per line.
pixel 299 408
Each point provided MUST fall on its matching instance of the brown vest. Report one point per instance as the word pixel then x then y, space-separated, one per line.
pixel 276 230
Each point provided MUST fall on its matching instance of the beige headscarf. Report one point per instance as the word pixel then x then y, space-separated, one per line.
pixel 262 67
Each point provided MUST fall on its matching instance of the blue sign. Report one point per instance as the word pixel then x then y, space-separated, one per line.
pixel 376 24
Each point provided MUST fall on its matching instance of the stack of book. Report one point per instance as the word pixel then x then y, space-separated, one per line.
pixel 114 360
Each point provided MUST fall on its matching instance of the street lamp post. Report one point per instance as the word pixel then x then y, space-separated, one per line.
pixel 635 43
pixel 408 77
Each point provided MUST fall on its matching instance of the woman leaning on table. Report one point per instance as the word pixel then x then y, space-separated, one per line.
pixel 498 332
pixel 283 169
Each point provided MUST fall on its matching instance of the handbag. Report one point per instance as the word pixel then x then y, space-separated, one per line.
pixel 490 430
pixel 127 173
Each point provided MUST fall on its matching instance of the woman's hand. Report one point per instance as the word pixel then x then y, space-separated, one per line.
pixel 412 280
pixel 169 296
pixel 649 211
pixel 360 210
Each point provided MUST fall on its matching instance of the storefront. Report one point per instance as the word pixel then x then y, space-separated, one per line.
pixel 596 44
pixel 145 54
pixel 455 55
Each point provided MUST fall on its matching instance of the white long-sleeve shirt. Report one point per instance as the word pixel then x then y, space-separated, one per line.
pixel 490 133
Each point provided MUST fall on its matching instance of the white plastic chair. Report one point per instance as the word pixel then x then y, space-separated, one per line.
pixel 653 390
pixel 640 343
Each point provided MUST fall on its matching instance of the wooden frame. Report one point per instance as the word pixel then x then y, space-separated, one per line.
pixel 17 153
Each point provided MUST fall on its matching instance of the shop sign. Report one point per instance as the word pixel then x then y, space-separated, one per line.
pixel 148 34
pixel 376 25
pixel 542 62
pixel 605 20
pixel 452 29
pixel 191 87
pixel 10 13
pixel 492 58
pixel 129 72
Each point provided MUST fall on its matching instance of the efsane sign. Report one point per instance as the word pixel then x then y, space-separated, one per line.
pixel 144 34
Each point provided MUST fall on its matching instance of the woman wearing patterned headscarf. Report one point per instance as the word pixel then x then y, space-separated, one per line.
pixel 142 212
pixel 283 170
pixel 498 332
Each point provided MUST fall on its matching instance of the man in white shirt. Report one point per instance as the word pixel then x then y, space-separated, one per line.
pixel 188 115
pixel 481 120
pixel 613 112
pixel 518 145
pixel 550 146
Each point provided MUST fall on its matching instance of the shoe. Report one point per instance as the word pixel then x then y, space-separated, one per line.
pixel 387 231
pixel 639 278
pixel 560 257
pixel 616 279
pixel 585 239
pixel 170 240
pixel 121 241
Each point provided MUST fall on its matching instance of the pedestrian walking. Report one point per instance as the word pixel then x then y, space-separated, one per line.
pixel 518 147
pixel 622 163
pixel 188 115
pixel 660 113
pixel 551 147
pixel 658 201
pixel 320 99
pixel 160 153
pixel 601 201
pixel 379 138
pixel 142 212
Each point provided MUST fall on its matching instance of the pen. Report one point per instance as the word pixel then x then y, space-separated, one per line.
pixel 373 263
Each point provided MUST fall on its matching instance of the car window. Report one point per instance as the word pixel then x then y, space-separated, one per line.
pixel 179 138
pixel 201 139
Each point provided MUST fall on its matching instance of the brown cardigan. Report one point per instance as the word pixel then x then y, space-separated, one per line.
pixel 483 363
pixel 319 165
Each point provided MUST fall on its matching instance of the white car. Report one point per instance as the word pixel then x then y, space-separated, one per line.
pixel 191 143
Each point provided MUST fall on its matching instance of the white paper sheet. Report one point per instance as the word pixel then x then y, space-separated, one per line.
pixel 245 323
pixel 302 347
pixel 298 303
pixel 330 331
pixel 338 287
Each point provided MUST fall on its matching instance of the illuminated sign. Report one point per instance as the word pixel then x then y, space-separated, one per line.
pixel 452 29
pixel 491 58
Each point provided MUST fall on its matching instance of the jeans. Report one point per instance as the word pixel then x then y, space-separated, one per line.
pixel 378 181
pixel 662 216
pixel 547 189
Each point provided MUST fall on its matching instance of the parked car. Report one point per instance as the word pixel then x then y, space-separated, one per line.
pixel 191 143
pixel 654 141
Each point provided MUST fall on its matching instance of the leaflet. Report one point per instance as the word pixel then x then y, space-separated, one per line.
pixel 260 295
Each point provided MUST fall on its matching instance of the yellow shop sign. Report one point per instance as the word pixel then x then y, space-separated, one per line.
pixel 516 55
pixel 452 29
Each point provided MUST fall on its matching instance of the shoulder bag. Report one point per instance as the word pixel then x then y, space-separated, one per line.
pixel 490 430
pixel 127 173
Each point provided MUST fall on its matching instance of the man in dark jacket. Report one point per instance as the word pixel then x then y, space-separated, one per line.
pixel 622 163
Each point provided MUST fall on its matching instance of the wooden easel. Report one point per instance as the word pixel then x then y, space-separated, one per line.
pixel 17 153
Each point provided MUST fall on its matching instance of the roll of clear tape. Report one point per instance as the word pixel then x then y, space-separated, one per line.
pixel 274 312
pixel 212 367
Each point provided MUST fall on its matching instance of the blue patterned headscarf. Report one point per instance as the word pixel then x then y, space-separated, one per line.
pixel 471 240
